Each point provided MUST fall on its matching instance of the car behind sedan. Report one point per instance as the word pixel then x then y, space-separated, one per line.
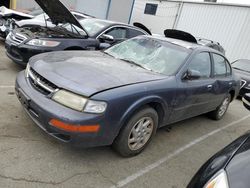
pixel 121 96
pixel 229 168
pixel 242 69
pixel 69 34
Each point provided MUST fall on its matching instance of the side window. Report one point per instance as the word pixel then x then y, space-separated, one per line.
pixel 118 32
pixel 220 68
pixel 201 63
pixel 134 33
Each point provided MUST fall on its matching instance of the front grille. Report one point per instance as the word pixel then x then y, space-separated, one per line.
pixel 40 83
pixel 243 83
pixel 16 38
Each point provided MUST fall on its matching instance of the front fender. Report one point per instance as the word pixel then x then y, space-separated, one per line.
pixel 143 102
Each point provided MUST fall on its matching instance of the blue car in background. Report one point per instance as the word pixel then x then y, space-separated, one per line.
pixel 122 95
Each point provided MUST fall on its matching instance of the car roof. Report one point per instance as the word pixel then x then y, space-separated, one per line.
pixel 109 22
pixel 182 43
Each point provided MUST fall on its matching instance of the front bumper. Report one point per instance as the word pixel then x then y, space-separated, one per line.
pixel 21 54
pixel 243 91
pixel 41 110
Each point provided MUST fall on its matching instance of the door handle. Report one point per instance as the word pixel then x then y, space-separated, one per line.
pixel 209 86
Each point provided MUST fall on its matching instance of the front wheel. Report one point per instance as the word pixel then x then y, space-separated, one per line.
pixel 221 110
pixel 137 133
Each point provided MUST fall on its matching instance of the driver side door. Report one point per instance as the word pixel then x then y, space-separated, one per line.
pixel 193 96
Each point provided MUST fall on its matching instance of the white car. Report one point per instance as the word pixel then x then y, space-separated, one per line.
pixel 6 15
pixel 44 21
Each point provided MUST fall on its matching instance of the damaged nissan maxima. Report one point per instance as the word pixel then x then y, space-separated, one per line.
pixel 122 95
pixel 68 34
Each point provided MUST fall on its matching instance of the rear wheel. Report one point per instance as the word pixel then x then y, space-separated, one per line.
pixel 137 133
pixel 221 110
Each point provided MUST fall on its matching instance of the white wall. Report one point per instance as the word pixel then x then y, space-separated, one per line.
pixel 29 4
pixel 229 25
pixel 164 18
pixel 97 8
pixel 120 10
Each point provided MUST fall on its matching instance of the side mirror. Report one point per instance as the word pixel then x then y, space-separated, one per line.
pixel 103 46
pixel 105 37
pixel 191 75
pixel 246 101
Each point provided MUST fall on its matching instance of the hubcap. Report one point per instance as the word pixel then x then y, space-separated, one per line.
pixel 140 133
pixel 223 107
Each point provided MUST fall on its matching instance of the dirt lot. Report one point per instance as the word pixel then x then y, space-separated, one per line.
pixel 30 158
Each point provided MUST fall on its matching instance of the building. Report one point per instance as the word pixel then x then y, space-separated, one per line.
pixel 226 23
pixel 117 10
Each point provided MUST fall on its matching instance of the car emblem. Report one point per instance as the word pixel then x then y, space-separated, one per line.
pixel 36 81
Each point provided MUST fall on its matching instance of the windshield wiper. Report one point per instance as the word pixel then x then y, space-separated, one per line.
pixel 133 63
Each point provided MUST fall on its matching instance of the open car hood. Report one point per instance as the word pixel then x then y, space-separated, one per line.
pixel 8 12
pixel 181 35
pixel 143 27
pixel 58 13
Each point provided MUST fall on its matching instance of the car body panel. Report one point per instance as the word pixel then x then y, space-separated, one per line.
pixel 222 160
pixel 57 12
pixel 125 87
pixel 5 12
pixel 80 71
pixel 239 167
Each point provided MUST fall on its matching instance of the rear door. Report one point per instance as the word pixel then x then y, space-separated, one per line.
pixel 222 74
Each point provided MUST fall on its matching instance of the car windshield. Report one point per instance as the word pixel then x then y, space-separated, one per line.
pixel 242 65
pixel 93 26
pixel 152 54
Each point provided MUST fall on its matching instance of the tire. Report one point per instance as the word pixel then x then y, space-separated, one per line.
pixel 134 136
pixel 221 110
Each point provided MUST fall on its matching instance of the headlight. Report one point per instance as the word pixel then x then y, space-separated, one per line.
pixel 219 181
pixel 96 107
pixel 27 70
pixel 78 102
pixel 70 100
pixel 44 43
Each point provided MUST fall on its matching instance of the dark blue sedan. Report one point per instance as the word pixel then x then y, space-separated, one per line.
pixel 121 96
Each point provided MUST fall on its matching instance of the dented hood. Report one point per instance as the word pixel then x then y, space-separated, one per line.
pixel 58 13
pixel 88 73
pixel 8 12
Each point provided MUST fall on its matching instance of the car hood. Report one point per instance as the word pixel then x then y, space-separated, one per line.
pixel 239 167
pixel 89 72
pixel 218 162
pixel 8 12
pixel 57 12
pixel 242 74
